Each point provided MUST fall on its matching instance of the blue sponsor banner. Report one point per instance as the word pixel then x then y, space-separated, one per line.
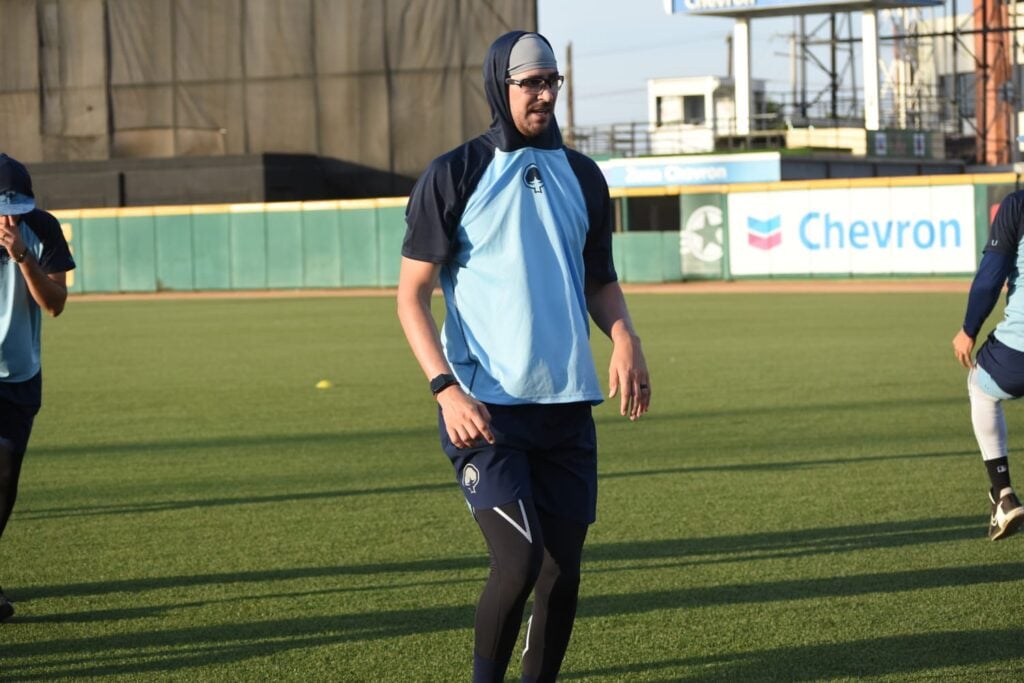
pixel 776 7
pixel 761 167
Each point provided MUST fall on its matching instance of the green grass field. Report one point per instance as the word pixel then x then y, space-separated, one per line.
pixel 805 502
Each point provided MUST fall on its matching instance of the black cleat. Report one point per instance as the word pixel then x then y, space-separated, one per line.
pixel 1007 515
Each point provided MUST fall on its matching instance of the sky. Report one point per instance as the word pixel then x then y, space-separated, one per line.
pixel 618 44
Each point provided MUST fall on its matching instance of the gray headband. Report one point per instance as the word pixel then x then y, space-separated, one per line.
pixel 530 52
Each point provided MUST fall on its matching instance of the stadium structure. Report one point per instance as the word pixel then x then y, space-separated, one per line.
pixel 143 102
pixel 122 103
pixel 931 79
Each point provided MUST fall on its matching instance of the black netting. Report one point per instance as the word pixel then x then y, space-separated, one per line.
pixel 382 83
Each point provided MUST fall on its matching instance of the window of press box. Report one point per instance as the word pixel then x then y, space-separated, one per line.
pixel 651 213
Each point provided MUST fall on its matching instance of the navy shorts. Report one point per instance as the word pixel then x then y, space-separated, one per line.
pixel 544 452
pixel 1002 365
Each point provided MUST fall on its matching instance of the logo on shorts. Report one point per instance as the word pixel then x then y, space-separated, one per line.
pixel 531 176
pixel 470 477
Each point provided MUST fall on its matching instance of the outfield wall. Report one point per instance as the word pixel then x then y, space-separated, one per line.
pixel 291 245
pixel 861 227
pixel 921 226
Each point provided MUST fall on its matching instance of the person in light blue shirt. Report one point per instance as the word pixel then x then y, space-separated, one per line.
pixel 516 228
pixel 34 261
pixel 997 374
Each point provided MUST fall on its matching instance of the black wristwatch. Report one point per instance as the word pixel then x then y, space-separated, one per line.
pixel 442 382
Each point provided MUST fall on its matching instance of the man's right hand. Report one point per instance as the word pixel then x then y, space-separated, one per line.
pixel 466 419
pixel 963 347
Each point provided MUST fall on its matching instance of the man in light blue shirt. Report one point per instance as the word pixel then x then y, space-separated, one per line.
pixel 34 261
pixel 516 228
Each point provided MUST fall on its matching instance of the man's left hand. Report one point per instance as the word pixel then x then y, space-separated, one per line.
pixel 627 373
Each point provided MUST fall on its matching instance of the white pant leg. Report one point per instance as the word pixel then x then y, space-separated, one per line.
pixel 988 420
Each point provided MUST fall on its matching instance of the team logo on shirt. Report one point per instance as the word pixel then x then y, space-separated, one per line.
pixel 470 478
pixel 531 176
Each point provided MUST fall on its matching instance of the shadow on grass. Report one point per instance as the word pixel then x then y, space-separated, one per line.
pixel 783 464
pixel 799 589
pixel 428 430
pixel 998 651
pixel 736 548
pixel 774 408
pixel 154 651
pixel 792 543
pixel 30 513
pixel 153 611
pixel 140 651
pixel 262 441
pixel 257 577
pixel 163 506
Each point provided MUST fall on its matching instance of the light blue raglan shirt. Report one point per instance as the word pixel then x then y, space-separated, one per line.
pixel 20 316
pixel 517 327
pixel 521 227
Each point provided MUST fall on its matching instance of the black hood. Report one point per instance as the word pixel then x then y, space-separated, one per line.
pixel 506 136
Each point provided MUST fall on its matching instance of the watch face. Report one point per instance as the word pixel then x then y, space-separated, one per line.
pixel 440 382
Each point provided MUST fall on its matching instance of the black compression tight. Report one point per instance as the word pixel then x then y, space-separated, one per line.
pixel 10 470
pixel 541 554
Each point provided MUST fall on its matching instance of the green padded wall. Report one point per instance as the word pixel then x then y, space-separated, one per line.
pixel 137 254
pixel 359 248
pixel 321 249
pixel 641 257
pixel 174 253
pixel 211 251
pixel 247 240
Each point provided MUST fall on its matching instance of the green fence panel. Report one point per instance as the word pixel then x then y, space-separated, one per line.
pixel 987 199
pixel 358 230
pixel 701 245
pixel 671 264
pixel 391 232
pixel 137 241
pixel 99 258
pixel 248 237
pixel 174 252
pixel 211 251
pixel 619 256
pixel 321 249
pixel 284 249
pixel 640 256
pixel 70 228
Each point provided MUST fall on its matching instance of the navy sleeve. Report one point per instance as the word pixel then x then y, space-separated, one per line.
pixel 430 216
pixel 56 256
pixel 1007 227
pixel 993 270
pixel 438 199
pixel 597 251
pixel 997 262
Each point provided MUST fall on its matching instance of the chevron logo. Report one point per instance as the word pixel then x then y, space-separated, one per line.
pixel 764 234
